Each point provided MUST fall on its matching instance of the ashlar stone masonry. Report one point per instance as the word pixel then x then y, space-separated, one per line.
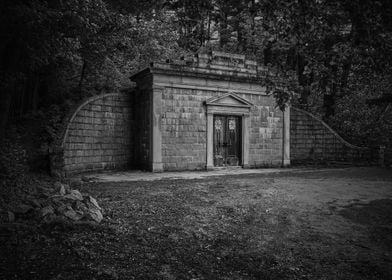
pixel 99 135
pixel 209 112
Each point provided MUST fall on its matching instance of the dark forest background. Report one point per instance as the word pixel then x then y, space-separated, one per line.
pixel 335 56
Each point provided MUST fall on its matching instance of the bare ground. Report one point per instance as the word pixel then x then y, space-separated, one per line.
pixel 326 224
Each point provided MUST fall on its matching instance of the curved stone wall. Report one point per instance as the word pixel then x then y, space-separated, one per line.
pixel 312 140
pixel 98 135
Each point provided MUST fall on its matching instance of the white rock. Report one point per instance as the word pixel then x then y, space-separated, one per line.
pixel 46 211
pixel 74 195
pixel 95 214
pixel 79 205
pixel 71 214
pixel 94 202
pixel 62 190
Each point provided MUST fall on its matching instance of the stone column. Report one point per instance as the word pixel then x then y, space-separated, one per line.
pixel 210 141
pixel 245 141
pixel 156 133
pixel 286 136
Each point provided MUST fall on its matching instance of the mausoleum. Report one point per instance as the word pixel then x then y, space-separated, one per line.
pixel 208 112
pixel 211 111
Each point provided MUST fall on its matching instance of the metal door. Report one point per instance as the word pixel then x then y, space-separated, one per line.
pixel 227 140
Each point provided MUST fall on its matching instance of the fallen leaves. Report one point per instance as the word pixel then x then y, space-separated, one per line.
pixel 175 230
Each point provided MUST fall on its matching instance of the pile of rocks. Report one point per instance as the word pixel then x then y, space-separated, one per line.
pixel 47 204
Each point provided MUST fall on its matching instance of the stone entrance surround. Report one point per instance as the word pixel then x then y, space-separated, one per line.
pixel 228 104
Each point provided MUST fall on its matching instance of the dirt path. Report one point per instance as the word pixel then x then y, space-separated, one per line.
pixel 324 224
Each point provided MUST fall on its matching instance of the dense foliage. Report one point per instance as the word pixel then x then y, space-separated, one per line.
pixel 334 55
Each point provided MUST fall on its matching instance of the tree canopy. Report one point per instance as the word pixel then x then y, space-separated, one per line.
pixel 334 55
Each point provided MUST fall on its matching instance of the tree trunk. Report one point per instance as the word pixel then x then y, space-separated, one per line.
pixel 201 32
pixel 22 102
pixel 208 28
pixel 5 106
pixel 82 74
pixel 329 106
pixel 241 40
pixel 329 99
pixel 9 68
pixel 223 27
pixel 35 95
pixel 345 74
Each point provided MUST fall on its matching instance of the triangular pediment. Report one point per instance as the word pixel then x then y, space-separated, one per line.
pixel 229 99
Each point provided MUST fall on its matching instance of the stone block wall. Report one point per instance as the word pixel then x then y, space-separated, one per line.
pixel 184 129
pixel 265 135
pixel 99 135
pixel 311 140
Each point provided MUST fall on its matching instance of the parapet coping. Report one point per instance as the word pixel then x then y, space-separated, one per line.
pixel 231 74
pixel 69 119
pixel 331 130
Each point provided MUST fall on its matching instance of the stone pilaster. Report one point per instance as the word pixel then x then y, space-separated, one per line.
pixel 245 141
pixel 210 141
pixel 156 130
pixel 286 136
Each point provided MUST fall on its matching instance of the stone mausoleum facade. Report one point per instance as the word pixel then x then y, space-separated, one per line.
pixel 209 112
